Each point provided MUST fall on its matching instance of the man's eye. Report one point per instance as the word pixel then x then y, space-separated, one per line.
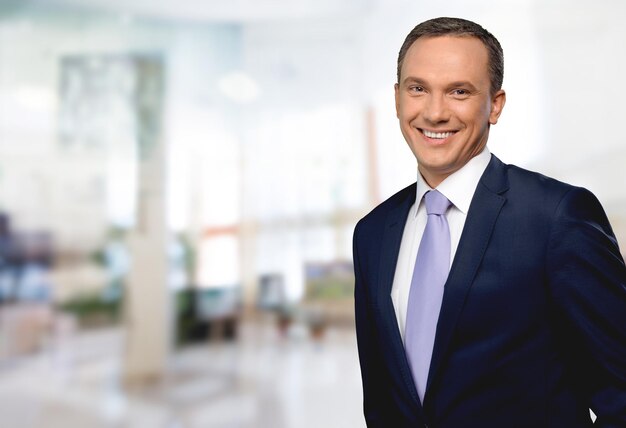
pixel 460 92
pixel 417 88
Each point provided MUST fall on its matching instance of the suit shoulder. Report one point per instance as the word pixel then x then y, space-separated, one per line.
pixel 536 181
pixel 549 194
pixel 376 217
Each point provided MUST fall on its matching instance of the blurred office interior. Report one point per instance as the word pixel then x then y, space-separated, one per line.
pixel 179 183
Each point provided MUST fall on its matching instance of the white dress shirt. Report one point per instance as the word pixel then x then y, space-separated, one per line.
pixel 459 188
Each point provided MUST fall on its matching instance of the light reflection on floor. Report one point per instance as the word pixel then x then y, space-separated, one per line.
pixel 261 381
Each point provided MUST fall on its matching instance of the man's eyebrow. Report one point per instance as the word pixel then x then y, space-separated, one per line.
pixel 464 84
pixel 460 83
pixel 410 79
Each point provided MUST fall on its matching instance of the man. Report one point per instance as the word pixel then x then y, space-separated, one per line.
pixel 486 295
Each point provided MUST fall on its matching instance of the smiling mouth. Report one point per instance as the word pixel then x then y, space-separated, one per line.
pixel 437 135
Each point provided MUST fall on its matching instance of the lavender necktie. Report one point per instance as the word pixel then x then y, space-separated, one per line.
pixel 429 276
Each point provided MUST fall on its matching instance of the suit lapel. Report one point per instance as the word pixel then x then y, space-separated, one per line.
pixel 481 219
pixel 390 247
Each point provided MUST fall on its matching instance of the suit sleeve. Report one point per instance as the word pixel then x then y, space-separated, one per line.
pixel 370 356
pixel 587 279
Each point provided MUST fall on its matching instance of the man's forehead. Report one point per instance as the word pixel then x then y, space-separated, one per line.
pixel 449 41
pixel 449 55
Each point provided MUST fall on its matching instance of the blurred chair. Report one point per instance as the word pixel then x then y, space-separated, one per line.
pixel 221 308
pixel 271 295
pixel 208 313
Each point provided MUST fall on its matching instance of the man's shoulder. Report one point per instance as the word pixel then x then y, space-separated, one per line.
pixel 531 182
pixel 378 215
pixel 540 194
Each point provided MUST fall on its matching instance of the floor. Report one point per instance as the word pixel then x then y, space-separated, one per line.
pixel 263 380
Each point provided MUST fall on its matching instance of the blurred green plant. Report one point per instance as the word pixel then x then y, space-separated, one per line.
pixel 330 288
pixel 93 309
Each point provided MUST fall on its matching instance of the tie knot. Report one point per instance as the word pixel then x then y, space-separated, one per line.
pixel 436 203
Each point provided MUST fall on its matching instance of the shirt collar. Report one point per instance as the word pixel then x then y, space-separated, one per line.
pixel 459 186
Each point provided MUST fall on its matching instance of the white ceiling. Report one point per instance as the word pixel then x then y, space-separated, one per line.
pixel 215 10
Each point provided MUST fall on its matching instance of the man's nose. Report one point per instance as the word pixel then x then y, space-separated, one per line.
pixel 436 109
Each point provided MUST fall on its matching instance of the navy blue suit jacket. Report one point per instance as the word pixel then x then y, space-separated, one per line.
pixel 532 328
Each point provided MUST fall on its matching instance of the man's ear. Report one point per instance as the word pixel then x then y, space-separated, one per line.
pixel 497 104
pixel 396 89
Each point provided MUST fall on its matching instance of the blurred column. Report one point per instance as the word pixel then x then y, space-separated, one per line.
pixel 372 159
pixel 148 320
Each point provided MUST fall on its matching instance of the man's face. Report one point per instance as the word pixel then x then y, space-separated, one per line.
pixel 443 103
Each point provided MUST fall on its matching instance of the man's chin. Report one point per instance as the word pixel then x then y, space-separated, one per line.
pixel 435 173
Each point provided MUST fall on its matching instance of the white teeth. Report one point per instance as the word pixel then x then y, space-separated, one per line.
pixel 437 134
